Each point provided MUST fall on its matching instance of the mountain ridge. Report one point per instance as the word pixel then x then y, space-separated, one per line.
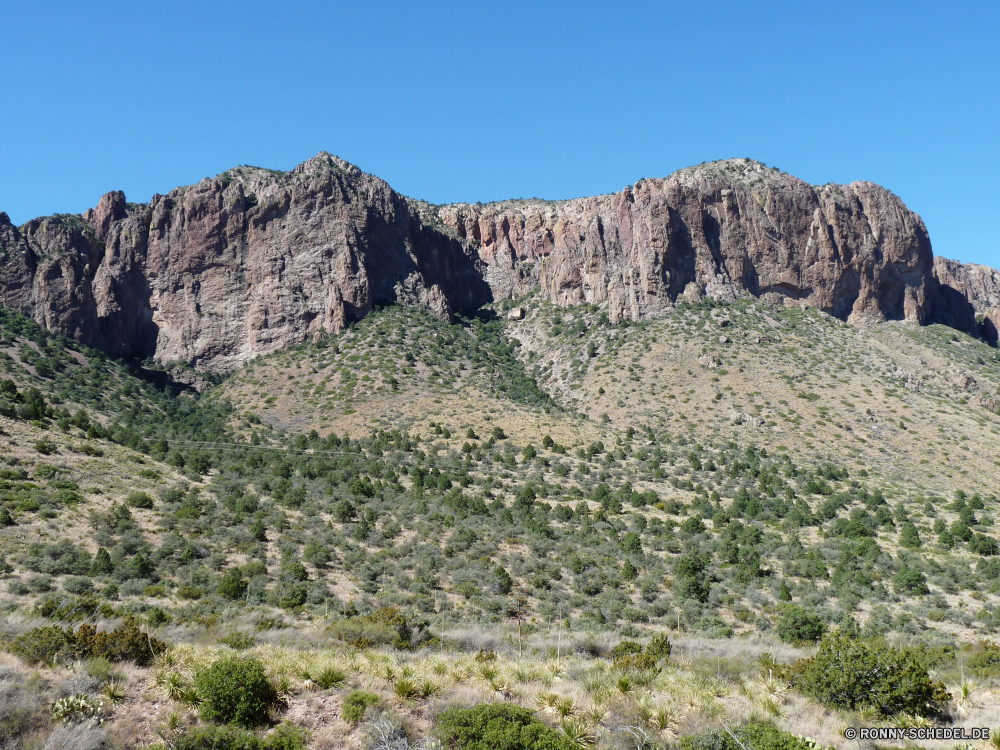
pixel 254 260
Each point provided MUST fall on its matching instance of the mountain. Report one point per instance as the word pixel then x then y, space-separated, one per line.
pixel 254 260
pixel 623 465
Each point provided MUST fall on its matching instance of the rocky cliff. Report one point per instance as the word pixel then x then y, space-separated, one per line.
pixel 975 290
pixel 254 260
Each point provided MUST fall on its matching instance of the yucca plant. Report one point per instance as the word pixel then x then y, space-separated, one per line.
pixel 565 707
pixel 405 689
pixel 578 732
pixel 666 719
pixel 173 684
pixel 115 692
pixel 429 688
pixel 330 677
pixel 595 713
pixel 544 701
pixel 965 696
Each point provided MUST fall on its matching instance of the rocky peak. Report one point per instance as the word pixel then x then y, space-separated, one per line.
pixel 254 260
pixel 111 208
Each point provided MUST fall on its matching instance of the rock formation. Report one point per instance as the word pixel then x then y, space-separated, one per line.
pixel 254 260
pixel 723 230
pixel 969 285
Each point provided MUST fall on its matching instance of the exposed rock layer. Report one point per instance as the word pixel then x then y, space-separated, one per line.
pixel 968 285
pixel 253 260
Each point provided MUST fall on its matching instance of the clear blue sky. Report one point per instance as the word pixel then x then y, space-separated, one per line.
pixel 476 101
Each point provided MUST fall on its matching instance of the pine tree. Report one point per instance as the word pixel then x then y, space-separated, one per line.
pixel 102 565
pixel 783 593
pixel 628 571
pixel 909 537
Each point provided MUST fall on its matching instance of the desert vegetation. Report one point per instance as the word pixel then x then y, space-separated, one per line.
pixel 550 531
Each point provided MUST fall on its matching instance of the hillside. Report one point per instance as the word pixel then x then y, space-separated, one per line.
pixel 514 499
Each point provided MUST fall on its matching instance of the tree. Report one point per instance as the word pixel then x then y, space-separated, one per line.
pixel 629 572
pixel 784 594
pixel 102 565
pixel 232 585
pixel 910 581
pixel 909 537
pixel 504 583
pixel 691 577
pixel 800 625
pixel 631 544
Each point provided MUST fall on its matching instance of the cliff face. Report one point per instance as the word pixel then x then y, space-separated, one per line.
pixel 973 289
pixel 224 270
pixel 253 261
pixel 724 230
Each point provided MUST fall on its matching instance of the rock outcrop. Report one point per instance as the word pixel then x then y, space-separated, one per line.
pixel 975 291
pixel 723 230
pixel 227 269
pixel 254 260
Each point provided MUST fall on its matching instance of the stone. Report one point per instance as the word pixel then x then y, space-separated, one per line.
pixel 516 314
pixel 253 261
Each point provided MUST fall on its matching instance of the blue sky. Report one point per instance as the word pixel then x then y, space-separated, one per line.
pixel 481 101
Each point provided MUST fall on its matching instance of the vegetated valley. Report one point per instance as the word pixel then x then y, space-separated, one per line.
pixel 528 527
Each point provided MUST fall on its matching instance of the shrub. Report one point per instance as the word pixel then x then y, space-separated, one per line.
pixel 986 662
pixel 126 643
pixel 239 641
pixel 800 625
pixel 235 691
pixel 497 726
pixel 848 673
pixel 284 737
pixel 759 736
pixel 139 500
pixel 625 648
pixel 232 585
pixel 910 581
pixel 47 645
pixel 659 647
pixel 355 705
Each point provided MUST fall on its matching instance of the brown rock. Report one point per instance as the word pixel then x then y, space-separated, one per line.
pixel 254 261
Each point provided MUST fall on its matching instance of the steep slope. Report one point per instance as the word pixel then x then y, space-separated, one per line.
pixel 254 261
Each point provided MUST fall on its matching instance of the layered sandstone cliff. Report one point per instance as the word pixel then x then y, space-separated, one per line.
pixel 254 260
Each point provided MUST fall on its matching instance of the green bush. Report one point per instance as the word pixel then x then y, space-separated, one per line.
pixel 986 662
pixel 47 646
pixel 910 581
pixel 497 726
pixel 659 647
pixel 800 625
pixel 139 500
pixel 239 641
pixel 759 736
pixel 848 674
pixel 229 737
pixel 355 705
pixel 54 645
pixel 236 691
